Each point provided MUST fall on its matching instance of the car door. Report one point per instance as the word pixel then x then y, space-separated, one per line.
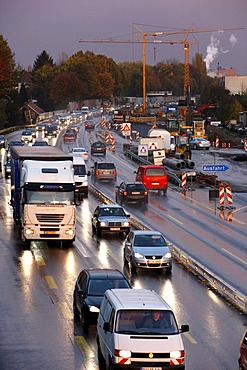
pixel 128 246
pixel 120 192
pixel 95 217
pixel 81 291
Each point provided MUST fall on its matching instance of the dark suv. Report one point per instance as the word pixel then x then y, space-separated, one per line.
pixel 98 148
pixel 131 192
pixel 104 171
pixel 90 287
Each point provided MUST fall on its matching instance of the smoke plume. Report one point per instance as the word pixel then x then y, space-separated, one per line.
pixel 214 49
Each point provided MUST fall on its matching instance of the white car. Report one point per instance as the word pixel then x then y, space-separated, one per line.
pixel 80 152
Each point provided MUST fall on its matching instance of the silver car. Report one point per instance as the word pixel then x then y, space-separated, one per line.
pixel 110 218
pixel 199 143
pixel 147 249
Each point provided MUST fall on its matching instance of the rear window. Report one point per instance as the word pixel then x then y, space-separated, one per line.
pixel 131 187
pixel 106 166
pixel 99 286
pixel 155 172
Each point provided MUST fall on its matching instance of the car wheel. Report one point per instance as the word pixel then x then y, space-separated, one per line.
pixel 98 231
pixel 101 359
pixel 207 148
pixel 75 311
pixel 165 192
pixel 169 270
pixel 132 267
pixel 84 321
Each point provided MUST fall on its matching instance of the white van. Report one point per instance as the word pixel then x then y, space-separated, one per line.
pixel 137 329
pixel 80 176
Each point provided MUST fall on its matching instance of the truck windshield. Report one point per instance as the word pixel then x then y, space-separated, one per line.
pixel 49 197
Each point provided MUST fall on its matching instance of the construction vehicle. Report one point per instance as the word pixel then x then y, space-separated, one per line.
pixel 43 194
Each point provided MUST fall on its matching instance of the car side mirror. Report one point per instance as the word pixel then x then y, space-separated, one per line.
pixel 184 328
pixel 106 326
pixel 88 173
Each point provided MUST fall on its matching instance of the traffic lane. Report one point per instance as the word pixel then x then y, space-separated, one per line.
pixel 193 303
pixel 64 267
pixel 34 332
pixel 218 245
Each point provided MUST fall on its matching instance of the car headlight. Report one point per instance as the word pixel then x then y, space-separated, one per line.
pixel 93 309
pixel 103 223
pixel 168 255
pixel 138 255
pixel 126 223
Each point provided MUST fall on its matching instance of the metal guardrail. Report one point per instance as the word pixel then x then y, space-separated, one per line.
pixel 224 289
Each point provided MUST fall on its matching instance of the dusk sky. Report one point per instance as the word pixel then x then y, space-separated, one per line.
pixel 56 26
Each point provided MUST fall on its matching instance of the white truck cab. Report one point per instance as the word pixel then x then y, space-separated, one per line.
pixel 137 329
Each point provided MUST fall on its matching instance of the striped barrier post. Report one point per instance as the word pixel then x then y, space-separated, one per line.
pixel 222 196
pixel 245 145
pixel 229 196
pixel 107 137
pixel 113 145
pixel 223 145
pixel 229 145
pixel 137 135
pixel 184 179
pixel 116 126
pixel 130 140
pixel 217 142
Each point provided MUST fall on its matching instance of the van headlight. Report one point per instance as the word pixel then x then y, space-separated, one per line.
pixel 122 353
pixel 176 354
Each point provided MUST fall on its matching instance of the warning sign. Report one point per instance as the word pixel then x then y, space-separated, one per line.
pixel 143 150
pixel 153 145
pixel 126 128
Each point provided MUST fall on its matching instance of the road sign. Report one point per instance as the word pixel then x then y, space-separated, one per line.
pixel 214 168
pixel 126 128
pixel 153 146
pixel 158 155
pixel 143 150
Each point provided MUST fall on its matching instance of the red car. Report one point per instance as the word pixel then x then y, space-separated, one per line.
pixel 69 136
pixel 89 125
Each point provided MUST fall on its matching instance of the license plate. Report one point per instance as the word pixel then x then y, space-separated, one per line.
pixel 115 228
pixel 151 368
pixel 135 192
pixel 50 232
pixel 155 183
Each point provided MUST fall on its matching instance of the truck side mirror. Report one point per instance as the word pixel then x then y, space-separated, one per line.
pixel 106 326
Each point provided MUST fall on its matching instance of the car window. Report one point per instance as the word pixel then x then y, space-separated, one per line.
pixel 132 187
pixel 149 240
pixel 155 172
pixel 106 166
pixel 111 212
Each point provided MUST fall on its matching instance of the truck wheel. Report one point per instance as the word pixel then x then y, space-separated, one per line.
pixel 86 194
pixel 165 192
pixel 101 359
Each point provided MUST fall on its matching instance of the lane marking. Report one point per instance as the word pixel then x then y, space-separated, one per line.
pixel 190 338
pixel 65 310
pixel 51 282
pixel 38 258
pixel 174 219
pixel 234 256
pixel 81 248
pixel 85 348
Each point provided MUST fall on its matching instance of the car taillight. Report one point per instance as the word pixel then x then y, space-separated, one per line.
pixel 115 172
pixel 96 172
pixel 145 192
pixel 125 193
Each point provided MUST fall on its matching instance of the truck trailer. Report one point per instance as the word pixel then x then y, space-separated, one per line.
pixel 43 194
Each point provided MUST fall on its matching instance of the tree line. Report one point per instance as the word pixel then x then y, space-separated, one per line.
pixel 86 75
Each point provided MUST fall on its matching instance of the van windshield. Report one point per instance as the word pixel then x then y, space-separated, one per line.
pixel 155 172
pixel 79 169
pixel 148 322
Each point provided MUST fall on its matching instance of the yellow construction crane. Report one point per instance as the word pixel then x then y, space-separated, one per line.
pixel 145 39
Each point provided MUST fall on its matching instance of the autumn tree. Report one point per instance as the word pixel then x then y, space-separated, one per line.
pixel 41 60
